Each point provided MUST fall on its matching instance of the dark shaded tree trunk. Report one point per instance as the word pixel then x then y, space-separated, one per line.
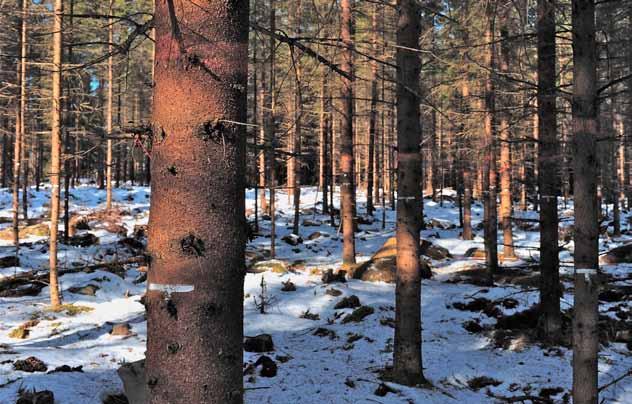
pixel 585 133
pixel 197 229
pixel 550 292
pixel 407 363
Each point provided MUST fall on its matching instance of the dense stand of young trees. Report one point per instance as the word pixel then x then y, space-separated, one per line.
pixel 519 105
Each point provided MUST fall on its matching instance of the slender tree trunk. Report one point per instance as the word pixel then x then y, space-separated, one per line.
pixel 550 292
pixel 466 163
pixel 506 202
pixel 585 133
pixel 271 133
pixel 19 127
pixel 372 115
pixel 26 158
pixel 347 194
pixel 70 108
pixel 298 121
pixel 489 159
pixel 523 179
pixel 55 165
pixel 5 159
pixel 197 229
pixel 323 151
pixel 407 363
pixel 108 118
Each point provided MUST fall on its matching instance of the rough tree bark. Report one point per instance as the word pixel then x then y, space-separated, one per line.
pixel 548 154
pixel 197 228
pixel 347 192
pixel 55 157
pixel 407 363
pixel 585 132
pixel 489 150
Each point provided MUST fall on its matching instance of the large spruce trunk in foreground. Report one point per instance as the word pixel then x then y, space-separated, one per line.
pixel 585 132
pixel 197 222
pixel 407 354
pixel 547 120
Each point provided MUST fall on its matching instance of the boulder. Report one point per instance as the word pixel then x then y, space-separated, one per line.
pixel 314 235
pixel 260 343
pixel 382 265
pixel 434 251
pixel 275 266
pixel 36 230
pixel 9 261
pixel 87 290
pixel 293 239
pixel 349 302
pixel 618 255
pixel 121 330
pixel 83 240
pixel 133 376
pixel 30 365
pixel 358 314
pixel 441 224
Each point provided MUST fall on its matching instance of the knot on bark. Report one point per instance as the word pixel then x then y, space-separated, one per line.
pixel 173 347
pixel 216 131
pixel 193 246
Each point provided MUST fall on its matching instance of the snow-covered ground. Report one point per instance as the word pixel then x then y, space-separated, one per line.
pixel 319 360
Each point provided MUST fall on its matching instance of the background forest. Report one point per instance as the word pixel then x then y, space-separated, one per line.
pixel 365 161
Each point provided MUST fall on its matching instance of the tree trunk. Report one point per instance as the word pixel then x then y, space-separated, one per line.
pixel 550 292
pixel 270 126
pixel 5 159
pixel 407 363
pixel 108 118
pixel 585 133
pixel 506 207
pixel 298 121
pixel 55 157
pixel 19 127
pixel 323 153
pixel 347 192
pixel 372 116
pixel 489 159
pixel 197 229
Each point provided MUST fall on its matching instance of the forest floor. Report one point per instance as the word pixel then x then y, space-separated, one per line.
pixel 473 350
